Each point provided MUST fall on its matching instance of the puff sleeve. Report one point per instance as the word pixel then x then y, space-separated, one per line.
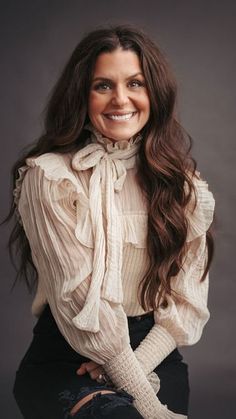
pixel 182 321
pixel 47 206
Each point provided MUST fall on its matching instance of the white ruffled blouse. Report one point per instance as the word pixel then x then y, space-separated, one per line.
pixel 86 221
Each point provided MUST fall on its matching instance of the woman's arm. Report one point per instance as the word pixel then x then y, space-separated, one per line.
pixel 182 321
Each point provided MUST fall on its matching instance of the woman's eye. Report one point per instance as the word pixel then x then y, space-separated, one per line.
pixel 105 86
pixel 136 83
pixel 102 86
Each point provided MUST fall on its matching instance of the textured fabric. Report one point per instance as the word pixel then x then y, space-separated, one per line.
pixel 68 235
pixel 124 371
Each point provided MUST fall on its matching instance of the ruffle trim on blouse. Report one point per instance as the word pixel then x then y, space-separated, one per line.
pixel 134 226
pixel 54 168
pixel 17 191
pixel 112 146
pixel 50 164
pixel 200 218
pixel 134 229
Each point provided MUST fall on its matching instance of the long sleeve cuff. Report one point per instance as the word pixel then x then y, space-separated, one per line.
pixel 125 372
pixel 155 347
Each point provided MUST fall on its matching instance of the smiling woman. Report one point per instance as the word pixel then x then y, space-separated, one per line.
pixel 119 105
pixel 113 225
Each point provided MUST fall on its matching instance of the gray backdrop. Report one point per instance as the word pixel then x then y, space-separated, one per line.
pixel 37 37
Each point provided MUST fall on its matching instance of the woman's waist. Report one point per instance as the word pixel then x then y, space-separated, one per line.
pixel 49 345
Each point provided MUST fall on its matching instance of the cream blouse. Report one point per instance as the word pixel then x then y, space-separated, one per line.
pixel 86 221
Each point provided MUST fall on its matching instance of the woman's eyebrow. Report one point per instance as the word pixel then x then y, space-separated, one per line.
pixel 110 80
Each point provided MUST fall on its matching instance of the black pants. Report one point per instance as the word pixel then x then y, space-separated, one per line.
pixel 47 386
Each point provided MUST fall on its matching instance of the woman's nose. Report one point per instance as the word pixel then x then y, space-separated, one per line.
pixel 120 97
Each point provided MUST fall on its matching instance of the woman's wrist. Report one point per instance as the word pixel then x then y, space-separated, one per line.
pixel 125 372
pixel 154 348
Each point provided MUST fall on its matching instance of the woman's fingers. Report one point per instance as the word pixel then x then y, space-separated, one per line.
pixel 92 368
pixel 91 365
pixel 96 372
pixel 80 371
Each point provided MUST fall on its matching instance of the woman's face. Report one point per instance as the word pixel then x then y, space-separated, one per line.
pixel 118 105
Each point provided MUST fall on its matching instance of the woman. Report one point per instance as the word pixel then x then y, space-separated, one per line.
pixel 114 220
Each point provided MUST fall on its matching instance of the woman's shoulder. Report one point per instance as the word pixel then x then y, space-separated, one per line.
pixel 200 209
pixel 55 166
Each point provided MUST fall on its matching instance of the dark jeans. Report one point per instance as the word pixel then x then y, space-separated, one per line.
pixel 47 386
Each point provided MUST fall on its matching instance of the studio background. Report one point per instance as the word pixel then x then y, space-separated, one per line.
pixel 198 38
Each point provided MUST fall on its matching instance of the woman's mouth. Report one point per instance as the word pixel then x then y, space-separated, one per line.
pixel 120 117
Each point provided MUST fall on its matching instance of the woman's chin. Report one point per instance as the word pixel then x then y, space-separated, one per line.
pixel 119 133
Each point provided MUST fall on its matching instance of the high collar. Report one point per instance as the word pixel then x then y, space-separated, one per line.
pixel 112 146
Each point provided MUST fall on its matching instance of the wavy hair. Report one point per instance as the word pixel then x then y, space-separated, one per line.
pixel 165 164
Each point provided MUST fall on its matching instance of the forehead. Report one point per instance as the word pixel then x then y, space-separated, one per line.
pixel 117 63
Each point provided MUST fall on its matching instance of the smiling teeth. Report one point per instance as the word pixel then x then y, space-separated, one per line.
pixel 121 117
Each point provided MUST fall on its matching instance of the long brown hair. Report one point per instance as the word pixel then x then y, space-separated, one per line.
pixel 165 164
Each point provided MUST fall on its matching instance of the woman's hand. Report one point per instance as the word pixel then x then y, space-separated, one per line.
pixel 95 370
